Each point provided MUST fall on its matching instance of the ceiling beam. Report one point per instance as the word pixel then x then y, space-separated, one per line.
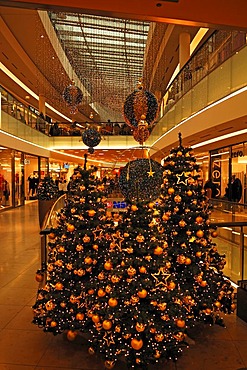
pixel 209 13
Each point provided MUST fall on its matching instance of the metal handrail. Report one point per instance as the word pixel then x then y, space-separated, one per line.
pixel 46 229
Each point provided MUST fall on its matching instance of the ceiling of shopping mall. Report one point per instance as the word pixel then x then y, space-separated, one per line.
pixel 110 46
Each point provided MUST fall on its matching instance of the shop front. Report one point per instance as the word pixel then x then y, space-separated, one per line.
pixel 16 170
pixel 228 167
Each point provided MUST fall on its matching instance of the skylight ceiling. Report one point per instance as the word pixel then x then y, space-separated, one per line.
pixel 106 54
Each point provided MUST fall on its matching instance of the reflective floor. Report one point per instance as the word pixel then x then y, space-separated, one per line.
pixel 23 346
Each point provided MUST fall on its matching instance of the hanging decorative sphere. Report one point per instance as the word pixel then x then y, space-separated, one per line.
pixel 141 134
pixel 141 179
pixel 72 95
pixel 91 138
pixel 140 102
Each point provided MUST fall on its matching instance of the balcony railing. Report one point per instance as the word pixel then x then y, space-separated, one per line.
pixel 215 71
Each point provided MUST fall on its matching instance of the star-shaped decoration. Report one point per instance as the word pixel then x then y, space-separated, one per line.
pixel 182 178
pixel 98 233
pixel 162 273
pixel 150 173
pixel 118 239
pixel 108 338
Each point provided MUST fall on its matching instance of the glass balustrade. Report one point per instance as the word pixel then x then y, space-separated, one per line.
pixel 216 70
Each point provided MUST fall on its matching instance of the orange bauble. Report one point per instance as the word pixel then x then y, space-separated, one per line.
pixel 158 251
pixel 71 335
pixel 79 248
pixel 151 205
pixel 39 277
pixel 91 212
pixel 81 272
pixel 86 239
pixel 115 279
pixel 214 234
pixel 187 261
pixel 203 283
pixel 182 223
pixel 198 254
pixel 131 271
pixel 108 265
pixel 108 289
pixel 101 293
pixel 79 316
pixel 199 220
pixel 73 299
pixel 177 199
pixel 53 324
pixel 136 344
pixel 142 270
pixel 134 207
pixel 180 323
pixel 59 286
pixel 107 324
pixel 140 238
pixel 51 236
pixel 140 327
pixel 70 227
pixel 61 249
pixel 170 191
pixel 88 260
pixel 199 233
pixel 171 285
pixel 165 217
pixel 90 291
pixel 112 302
pixel 159 337
pixel 142 293
pixel 50 305
pixel 96 319
pixel 189 193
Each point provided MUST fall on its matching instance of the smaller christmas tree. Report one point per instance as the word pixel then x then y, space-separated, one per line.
pixel 47 189
pixel 201 291
pixel 73 257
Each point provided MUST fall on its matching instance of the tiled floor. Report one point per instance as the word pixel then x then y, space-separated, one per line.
pixel 23 346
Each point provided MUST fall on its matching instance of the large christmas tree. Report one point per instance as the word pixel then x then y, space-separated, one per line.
pixel 74 251
pixel 162 273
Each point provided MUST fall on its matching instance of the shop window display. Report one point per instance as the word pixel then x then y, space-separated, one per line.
pixel 5 178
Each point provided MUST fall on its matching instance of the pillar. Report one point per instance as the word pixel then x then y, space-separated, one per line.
pixel 42 104
pixel 184 48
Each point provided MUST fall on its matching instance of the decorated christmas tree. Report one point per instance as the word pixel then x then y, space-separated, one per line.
pixel 47 193
pixel 162 273
pixel 128 314
pixel 47 189
pixel 195 266
pixel 73 255
pixel 128 306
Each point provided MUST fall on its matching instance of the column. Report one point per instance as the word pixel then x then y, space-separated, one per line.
pixel 42 104
pixel 184 48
